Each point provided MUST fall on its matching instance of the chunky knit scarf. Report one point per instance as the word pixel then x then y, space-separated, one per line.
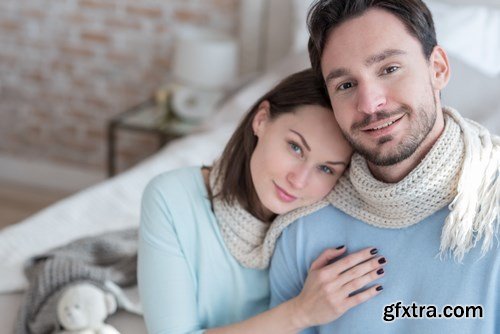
pixel 462 168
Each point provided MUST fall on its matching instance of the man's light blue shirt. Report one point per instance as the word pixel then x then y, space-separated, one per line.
pixel 414 274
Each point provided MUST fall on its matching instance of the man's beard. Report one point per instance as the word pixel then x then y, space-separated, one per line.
pixel 423 123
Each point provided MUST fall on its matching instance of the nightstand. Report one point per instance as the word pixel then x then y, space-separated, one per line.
pixel 144 118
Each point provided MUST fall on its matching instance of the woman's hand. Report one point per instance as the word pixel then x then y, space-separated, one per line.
pixel 326 293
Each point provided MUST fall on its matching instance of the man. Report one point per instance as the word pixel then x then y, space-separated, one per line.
pixel 423 187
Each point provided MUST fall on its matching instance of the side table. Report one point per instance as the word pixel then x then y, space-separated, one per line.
pixel 144 118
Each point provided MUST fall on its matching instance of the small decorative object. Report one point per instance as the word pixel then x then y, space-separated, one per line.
pixel 82 309
pixel 204 65
pixel 162 100
pixel 193 105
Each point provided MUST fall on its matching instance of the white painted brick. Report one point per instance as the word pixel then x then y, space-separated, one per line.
pixel 98 86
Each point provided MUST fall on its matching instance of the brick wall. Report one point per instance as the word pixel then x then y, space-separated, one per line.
pixel 67 66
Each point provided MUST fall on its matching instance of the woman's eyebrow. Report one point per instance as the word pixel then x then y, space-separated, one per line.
pixel 336 163
pixel 304 142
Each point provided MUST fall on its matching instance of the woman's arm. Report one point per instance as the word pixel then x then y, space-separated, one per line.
pixel 324 298
pixel 165 282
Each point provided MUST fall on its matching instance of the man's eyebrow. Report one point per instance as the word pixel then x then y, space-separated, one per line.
pixel 336 74
pixel 339 72
pixel 382 56
pixel 304 142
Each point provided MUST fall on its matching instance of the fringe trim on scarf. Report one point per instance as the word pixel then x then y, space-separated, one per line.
pixel 474 213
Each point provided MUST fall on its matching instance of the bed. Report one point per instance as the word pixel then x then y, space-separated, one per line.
pixel 273 39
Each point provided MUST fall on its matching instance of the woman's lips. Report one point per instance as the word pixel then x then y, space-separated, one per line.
pixel 283 195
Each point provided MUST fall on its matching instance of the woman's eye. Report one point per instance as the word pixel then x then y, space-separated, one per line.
pixel 390 69
pixel 296 148
pixel 326 169
pixel 345 85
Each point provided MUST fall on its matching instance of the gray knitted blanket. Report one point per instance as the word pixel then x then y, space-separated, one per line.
pixel 110 257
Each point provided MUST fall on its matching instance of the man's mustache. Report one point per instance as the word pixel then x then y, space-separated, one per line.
pixel 378 116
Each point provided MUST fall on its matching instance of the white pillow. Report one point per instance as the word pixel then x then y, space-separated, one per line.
pixel 474 94
pixel 301 34
pixel 469 32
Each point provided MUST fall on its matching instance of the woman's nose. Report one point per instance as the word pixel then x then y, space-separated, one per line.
pixel 299 176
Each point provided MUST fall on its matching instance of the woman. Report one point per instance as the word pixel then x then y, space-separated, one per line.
pixel 195 266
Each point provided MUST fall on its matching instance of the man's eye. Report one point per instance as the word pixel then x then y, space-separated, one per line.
pixel 390 69
pixel 345 85
pixel 296 148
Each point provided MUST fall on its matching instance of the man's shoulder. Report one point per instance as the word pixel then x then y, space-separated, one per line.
pixel 304 239
pixel 319 218
pixel 326 213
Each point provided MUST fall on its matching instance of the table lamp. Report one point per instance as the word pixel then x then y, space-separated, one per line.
pixel 204 65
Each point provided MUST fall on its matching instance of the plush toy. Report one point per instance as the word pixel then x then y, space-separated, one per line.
pixel 82 309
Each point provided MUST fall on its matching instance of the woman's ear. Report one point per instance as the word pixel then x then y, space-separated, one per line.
pixel 440 68
pixel 261 118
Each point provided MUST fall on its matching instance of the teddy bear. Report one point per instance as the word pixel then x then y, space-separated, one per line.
pixel 82 309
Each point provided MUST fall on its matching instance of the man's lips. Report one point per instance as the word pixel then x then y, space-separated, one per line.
pixel 283 195
pixel 382 124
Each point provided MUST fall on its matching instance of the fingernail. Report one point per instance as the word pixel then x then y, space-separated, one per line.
pixel 380 271
pixel 340 247
pixel 382 260
pixel 379 288
pixel 374 251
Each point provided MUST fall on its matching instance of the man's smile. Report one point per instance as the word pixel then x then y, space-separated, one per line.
pixel 382 127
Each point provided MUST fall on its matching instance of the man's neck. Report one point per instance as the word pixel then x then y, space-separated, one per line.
pixel 397 172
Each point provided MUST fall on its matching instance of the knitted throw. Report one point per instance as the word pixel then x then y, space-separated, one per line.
pixel 462 168
pixel 110 257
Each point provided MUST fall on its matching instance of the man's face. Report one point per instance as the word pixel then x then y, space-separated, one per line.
pixel 380 86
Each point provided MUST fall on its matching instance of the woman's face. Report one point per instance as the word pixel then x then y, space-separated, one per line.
pixel 298 158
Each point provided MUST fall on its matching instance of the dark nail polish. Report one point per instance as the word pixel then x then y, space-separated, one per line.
pixel 374 251
pixel 340 247
pixel 380 271
pixel 382 260
pixel 379 288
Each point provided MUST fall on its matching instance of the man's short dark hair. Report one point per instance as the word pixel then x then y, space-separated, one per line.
pixel 325 15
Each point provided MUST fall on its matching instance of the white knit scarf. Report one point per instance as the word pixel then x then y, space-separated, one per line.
pixel 462 168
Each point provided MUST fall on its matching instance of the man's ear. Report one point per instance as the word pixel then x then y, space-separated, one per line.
pixel 261 118
pixel 440 68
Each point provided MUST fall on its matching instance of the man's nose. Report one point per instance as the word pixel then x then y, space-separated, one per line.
pixel 371 98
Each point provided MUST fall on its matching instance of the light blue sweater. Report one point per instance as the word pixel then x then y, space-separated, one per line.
pixel 188 280
pixel 414 273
